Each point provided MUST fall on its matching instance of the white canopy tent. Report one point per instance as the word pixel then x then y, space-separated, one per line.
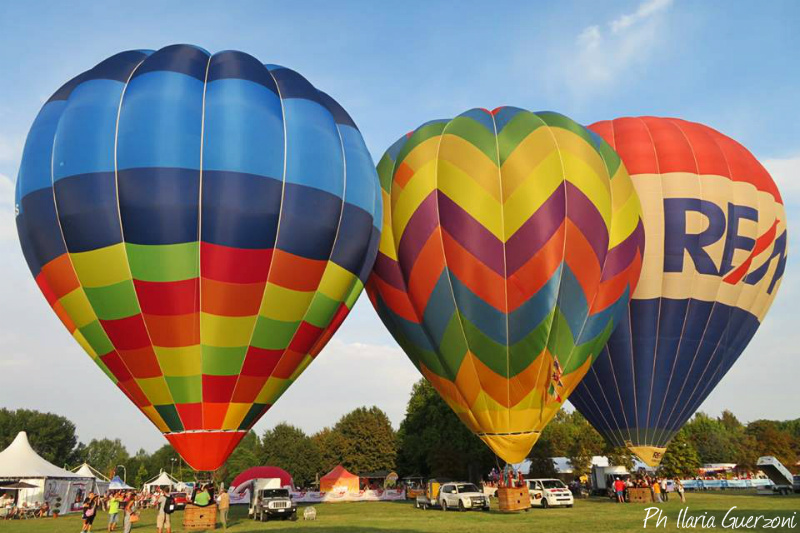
pixel 61 489
pixel 162 480
pixel 100 481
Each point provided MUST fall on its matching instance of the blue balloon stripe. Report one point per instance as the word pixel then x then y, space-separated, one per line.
pixel 240 210
pixel 88 212
pixel 243 128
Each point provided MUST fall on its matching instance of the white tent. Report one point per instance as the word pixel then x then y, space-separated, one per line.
pixel 161 480
pixel 61 488
pixel 101 482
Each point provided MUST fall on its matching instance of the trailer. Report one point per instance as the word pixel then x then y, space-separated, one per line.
pixel 603 478
pixel 782 480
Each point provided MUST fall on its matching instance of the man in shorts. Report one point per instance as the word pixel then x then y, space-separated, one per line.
pixel 162 520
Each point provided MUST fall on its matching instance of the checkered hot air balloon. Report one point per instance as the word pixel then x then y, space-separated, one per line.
pixel 716 251
pixel 511 244
pixel 202 224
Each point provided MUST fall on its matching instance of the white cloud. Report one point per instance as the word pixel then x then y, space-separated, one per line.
pixel 7 227
pixel 646 10
pixel 603 52
pixel 786 173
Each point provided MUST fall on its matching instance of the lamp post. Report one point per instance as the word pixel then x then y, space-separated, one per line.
pixel 124 473
pixel 172 466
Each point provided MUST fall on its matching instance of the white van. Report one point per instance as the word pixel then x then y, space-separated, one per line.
pixel 549 493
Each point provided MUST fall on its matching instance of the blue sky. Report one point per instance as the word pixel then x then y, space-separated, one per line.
pixel 393 66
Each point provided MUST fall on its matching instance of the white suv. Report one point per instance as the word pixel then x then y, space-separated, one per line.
pixel 549 493
pixel 462 496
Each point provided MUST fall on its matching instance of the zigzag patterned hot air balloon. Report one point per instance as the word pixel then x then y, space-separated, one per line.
pixel 716 252
pixel 201 224
pixel 511 243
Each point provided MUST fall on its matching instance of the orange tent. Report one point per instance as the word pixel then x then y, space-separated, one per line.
pixel 339 480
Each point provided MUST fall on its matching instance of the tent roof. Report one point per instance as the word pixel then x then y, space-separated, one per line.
pixel 86 470
pixel 20 461
pixel 118 484
pixel 163 479
pixel 263 472
pixel 338 473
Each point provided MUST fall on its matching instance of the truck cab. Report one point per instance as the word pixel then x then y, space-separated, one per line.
pixel 549 493
pixel 269 500
pixel 273 503
pixel 462 496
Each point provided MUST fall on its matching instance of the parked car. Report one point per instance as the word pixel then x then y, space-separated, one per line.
pixel 180 500
pixel 453 495
pixel 549 493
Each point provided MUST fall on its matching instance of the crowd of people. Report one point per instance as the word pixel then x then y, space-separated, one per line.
pixel 659 488
pixel 9 510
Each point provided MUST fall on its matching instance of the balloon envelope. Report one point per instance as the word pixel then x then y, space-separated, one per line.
pixel 716 251
pixel 511 242
pixel 201 224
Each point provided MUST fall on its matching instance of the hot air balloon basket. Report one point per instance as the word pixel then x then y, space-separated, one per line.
pixel 199 518
pixel 513 499
pixel 640 495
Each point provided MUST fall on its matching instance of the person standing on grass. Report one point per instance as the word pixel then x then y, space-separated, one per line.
pixel 657 491
pixel 113 512
pixel 162 520
pixel 619 488
pixel 664 493
pixel 224 504
pixel 129 505
pixel 680 489
pixel 89 511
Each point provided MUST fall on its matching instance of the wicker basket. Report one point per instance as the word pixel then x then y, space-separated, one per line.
pixel 514 498
pixel 199 518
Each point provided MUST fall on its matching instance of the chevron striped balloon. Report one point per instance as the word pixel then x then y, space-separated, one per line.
pixel 511 244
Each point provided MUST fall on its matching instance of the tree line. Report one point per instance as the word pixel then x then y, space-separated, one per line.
pixel 431 441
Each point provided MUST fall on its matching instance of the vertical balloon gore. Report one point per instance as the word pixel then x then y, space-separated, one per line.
pixel 511 244
pixel 201 224
pixel 716 251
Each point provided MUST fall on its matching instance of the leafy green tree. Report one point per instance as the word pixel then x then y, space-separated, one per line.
pixel 432 441
pixel 106 454
pixel 585 443
pixel 367 439
pixel 620 456
pixel 288 447
pixel 331 445
pixel 52 436
pixel 681 459
pixel 141 477
pixel 770 439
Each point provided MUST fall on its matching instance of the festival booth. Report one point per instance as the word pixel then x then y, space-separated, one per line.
pixel 339 480
pixel 63 490
pixel 339 485
pixel 161 481
pixel 100 481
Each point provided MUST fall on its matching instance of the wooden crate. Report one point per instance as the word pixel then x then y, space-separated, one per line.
pixel 199 518
pixel 640 495
pixel 514 498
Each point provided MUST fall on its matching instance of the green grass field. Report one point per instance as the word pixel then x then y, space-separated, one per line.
pixel 592 515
